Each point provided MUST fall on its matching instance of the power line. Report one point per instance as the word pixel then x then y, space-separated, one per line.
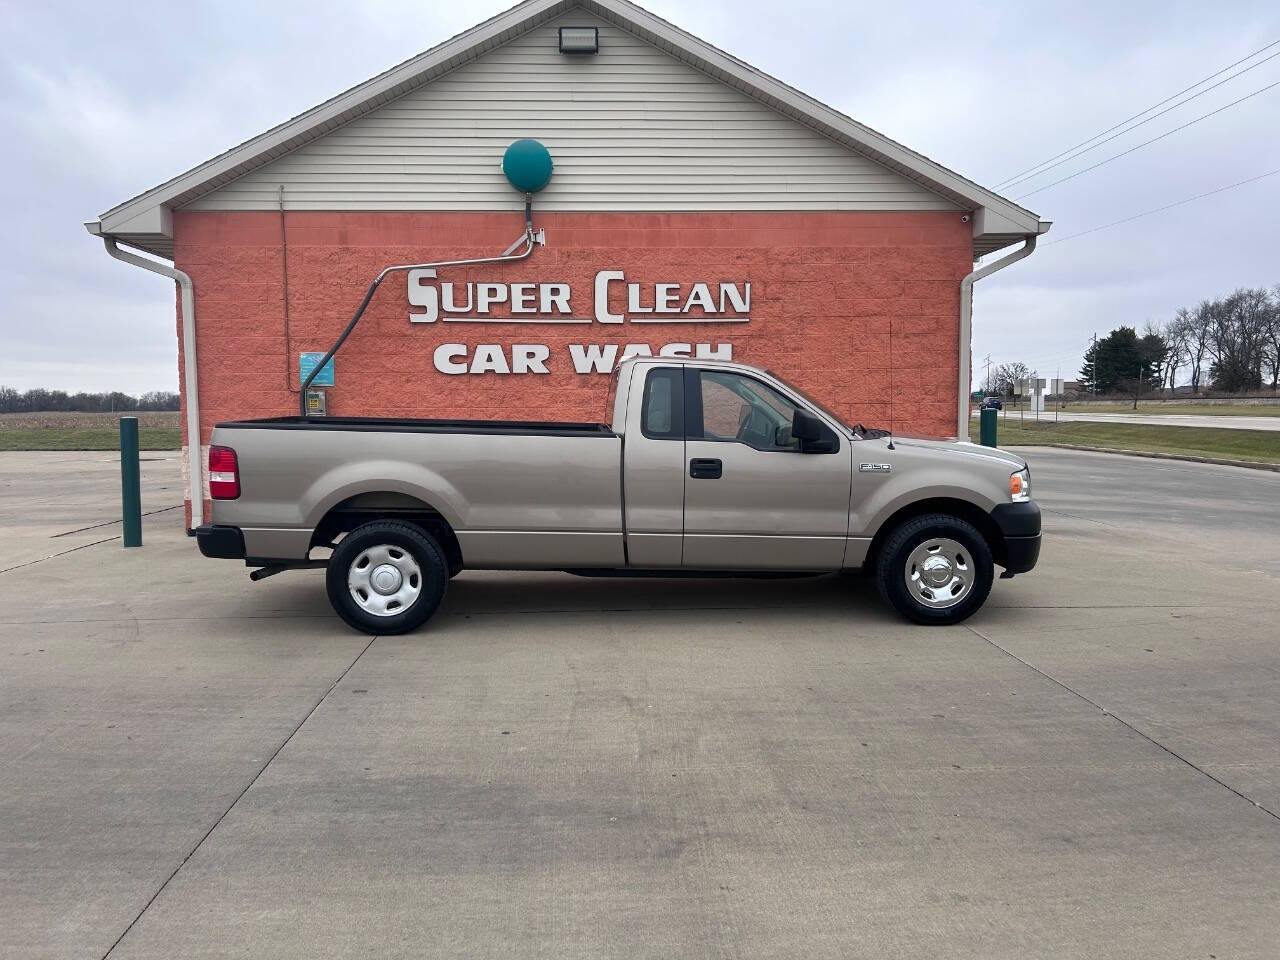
pixel 1167 206
pixel 1002 183
pixel 1071 154
pixel 1147 143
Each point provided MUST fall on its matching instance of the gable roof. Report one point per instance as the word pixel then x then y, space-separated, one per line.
pixel 146 220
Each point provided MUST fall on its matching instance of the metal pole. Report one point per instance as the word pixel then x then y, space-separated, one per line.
pixel 130 486
pixel 987 427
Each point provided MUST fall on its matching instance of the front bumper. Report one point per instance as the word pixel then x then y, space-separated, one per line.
pixel 1019 524
pixel 220 542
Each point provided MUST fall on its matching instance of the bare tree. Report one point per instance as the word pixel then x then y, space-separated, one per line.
pixel 1177 337
pixel 1005 376
pixel 1169 357
pixel 1199 322
pixel 1271 339
pixel 1237 334
pixel 1234 339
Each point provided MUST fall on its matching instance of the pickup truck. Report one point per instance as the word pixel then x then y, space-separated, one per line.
pixel 707 468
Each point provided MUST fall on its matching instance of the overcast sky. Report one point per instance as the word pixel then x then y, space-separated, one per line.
pixel 103 101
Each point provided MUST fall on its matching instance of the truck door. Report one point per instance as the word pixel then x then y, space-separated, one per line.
pixel 752 499
pixel 653 468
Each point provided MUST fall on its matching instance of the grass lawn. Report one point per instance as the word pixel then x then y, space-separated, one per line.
pixel 87 438
pixel 86 431
pixel 1178 409
pixel 1259 445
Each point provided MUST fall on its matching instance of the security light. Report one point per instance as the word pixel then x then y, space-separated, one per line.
pixel 579 40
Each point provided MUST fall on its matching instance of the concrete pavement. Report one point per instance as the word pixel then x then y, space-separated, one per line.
pixel 198 766
pixel 1205 510
pixel 53 502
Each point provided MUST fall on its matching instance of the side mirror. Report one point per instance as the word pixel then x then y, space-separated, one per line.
pixel 814 435
pixel 805 426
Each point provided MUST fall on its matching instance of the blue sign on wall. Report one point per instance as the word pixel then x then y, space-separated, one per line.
pixel 307 362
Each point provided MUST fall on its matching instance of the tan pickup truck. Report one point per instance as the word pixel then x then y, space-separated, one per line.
pixel 707 466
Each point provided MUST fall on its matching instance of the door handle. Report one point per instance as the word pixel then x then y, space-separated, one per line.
pixel 708 468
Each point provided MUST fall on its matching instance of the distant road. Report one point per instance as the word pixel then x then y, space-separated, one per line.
pixel 1164 419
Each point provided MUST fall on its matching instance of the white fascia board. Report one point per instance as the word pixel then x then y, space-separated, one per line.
pixel 155 218
pixel 991 221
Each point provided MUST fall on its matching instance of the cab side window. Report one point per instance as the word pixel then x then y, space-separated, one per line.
pixel 662 413
pixel 743 410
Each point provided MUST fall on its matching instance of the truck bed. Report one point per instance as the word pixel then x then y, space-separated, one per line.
pixel 530 495
pixel 549 428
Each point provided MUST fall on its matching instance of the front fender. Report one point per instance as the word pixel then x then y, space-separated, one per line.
pixel 869 513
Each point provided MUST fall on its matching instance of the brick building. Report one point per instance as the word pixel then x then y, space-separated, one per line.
pixel 696 206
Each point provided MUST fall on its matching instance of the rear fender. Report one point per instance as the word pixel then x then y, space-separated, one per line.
pixel 383 476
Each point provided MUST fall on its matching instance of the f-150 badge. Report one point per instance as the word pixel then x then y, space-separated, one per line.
pixel 875 468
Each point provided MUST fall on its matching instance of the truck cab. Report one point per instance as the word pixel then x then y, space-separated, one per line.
pixel 733 468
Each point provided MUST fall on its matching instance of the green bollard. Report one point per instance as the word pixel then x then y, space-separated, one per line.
pixel 130 485
pixel 987 427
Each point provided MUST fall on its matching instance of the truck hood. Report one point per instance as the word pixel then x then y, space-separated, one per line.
pixel 958 449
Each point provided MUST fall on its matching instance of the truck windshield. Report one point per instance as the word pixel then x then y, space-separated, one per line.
pixel 809 400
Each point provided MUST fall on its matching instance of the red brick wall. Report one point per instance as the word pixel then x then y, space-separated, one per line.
pixel 859 309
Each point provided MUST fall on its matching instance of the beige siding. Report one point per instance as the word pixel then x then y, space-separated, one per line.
pixel 630 128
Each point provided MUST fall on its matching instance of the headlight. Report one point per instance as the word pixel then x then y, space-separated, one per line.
pixel 1020 485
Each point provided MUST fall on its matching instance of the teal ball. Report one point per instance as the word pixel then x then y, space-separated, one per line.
pixel 527 165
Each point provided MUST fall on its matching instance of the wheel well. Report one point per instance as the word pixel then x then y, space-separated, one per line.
pixel 350 513
pixel 970 513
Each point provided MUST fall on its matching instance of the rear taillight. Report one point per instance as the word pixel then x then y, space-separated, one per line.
pixel 224 474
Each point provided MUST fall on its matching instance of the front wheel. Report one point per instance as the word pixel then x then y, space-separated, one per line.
pixel 386 577
pixel 935 569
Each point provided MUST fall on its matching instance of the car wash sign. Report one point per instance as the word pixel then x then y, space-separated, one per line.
pixel 542 304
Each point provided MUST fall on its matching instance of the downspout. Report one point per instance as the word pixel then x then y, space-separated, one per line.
pixel 196 490
pixel 966 327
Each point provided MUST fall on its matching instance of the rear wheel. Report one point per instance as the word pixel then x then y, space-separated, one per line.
pixel 386 577
pixel 935 569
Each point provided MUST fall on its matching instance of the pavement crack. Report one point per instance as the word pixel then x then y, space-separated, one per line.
pixel 107 523
pixel 1076 516
pixel 1150 739
pixel 254 779
pixel 19 566
pixel 1128 606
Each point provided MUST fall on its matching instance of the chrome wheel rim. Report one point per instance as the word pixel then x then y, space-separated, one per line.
pixel 384 580
pixel 939 573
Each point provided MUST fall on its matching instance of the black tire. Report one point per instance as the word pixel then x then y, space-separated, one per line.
pixel 433 575
pixel 892 577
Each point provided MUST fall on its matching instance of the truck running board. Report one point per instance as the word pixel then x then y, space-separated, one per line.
pixel 698 574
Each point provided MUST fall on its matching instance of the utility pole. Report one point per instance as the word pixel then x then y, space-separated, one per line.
pixel 1093 387
pixel 986 384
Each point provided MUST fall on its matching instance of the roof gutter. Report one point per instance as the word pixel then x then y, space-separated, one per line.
pixel 966 325
pixel 190 384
